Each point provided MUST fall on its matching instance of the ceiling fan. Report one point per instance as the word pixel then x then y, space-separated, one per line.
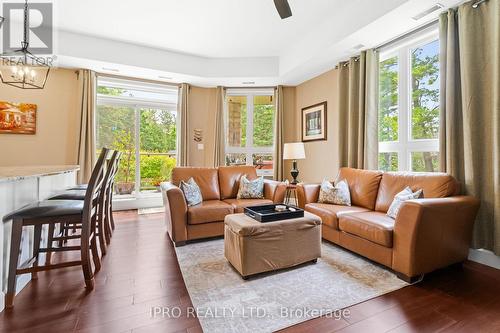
pixel 283 8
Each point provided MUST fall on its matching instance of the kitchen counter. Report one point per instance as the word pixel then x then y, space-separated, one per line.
pixel 14 173
pixel 21 186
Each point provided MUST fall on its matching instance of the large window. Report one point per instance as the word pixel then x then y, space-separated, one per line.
pixel 139 119
pixel 250 129
pixel 409 106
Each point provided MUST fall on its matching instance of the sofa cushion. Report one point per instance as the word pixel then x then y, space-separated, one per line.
pixel 433 185
pixel 209 211
pixel 363 185
pixel 401 197
pixel 229 179
pixel 206 178
pixel 251 189
pixel 329 213
pixel 336 195
pixel 191 192
pixel 373 226
pixel 239 204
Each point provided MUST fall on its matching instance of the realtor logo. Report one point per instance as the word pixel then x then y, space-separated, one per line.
pixel 40 28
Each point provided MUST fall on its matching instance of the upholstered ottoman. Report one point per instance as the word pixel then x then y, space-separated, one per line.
pixel 253 247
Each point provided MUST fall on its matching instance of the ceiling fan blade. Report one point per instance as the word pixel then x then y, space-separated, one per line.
pixel 283 8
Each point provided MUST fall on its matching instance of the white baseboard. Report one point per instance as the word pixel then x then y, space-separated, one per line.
pixel 485 257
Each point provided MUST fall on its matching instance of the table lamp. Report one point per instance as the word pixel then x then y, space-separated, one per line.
pixel 294 151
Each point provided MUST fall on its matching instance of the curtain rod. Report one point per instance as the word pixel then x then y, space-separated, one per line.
pixel 420 28
pixel 477 3
pixel 397 39
pixel 407 34
pixel 137 79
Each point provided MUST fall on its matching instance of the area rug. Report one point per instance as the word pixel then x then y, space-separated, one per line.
pixel 224 302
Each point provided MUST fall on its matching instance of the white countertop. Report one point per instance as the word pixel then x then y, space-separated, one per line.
pixel 13 173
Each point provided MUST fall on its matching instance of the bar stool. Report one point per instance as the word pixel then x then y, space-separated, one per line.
pixel 109 218
pixel 104 216
pixel 107 204
pixel 78 187
pixel 72 195
pixel 51 213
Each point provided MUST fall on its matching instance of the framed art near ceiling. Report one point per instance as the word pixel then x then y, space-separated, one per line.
pixel 314 122
pixel 17 118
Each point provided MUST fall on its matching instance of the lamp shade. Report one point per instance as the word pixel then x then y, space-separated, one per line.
pixel 294 151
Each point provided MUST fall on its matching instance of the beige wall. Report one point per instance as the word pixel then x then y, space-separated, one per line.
pixel 322 157
pixel 55 141
pixel 58 124
pixel 201 116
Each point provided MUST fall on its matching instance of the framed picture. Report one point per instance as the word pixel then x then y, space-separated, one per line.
pixel 314 122
pixel 17 118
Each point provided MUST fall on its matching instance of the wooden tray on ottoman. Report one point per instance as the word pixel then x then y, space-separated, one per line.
pixel 267 213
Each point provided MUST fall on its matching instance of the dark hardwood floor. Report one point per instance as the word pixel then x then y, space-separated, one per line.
pixel 140 271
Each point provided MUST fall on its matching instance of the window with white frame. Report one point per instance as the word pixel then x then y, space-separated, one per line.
pixel 249 118
pixel 409 105
pixel 138 119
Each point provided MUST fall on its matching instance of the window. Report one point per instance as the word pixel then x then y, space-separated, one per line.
pixel 250 129
pixel 139 119
pixel 409 106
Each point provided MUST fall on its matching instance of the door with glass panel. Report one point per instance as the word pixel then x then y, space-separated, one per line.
pixel 140 121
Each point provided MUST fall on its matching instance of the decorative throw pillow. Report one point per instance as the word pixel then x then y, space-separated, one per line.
pixel 401 197
pixel 251 189
pixel 191 192
pixel 337 195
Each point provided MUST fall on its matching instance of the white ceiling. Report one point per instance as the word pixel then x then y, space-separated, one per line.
pixel 208 28
pixel 226 42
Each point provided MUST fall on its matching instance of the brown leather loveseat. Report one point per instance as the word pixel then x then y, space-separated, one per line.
pixel 219 188
pixel 427 234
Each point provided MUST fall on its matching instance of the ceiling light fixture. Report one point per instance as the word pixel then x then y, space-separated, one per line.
pixel 23 69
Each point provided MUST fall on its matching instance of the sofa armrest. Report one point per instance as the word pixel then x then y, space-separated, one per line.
pixel 432 233
pixel 307 193
pixel 175 212
pixel 274 190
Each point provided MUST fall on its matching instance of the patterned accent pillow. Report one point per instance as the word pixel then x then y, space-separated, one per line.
pixel 337 195
pixel 251 189
pixel 401 197
pixel 192 192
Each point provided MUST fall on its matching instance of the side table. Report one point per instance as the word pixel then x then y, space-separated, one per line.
pixel 291 189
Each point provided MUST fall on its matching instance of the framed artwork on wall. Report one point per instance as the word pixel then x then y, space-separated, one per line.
pixel 17 118
pixel 314 122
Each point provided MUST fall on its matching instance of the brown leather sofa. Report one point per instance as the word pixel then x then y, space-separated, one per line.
pixel 428 233
pixel 219 188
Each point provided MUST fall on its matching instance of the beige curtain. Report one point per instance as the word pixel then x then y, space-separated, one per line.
pixel 219 144
pixel 86 104
pixel 183 137
pixel 358 107
pixel 470 110
pixel 278 135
